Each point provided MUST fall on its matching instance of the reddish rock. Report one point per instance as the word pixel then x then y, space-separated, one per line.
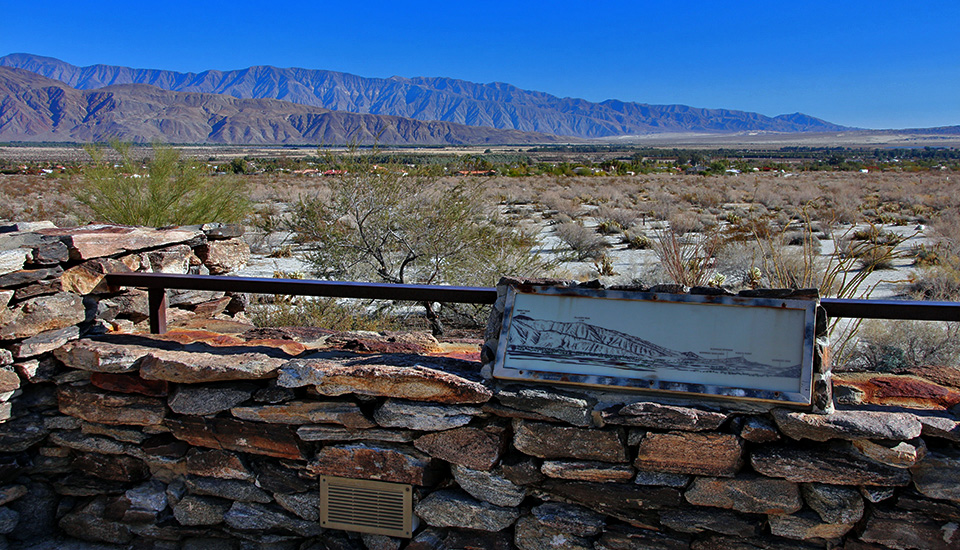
pixel 475 448
pixel 95 241
pixel 109 354
pixel 192 366
pixel 9 381
pixel 93 405
pixel 945 375
pixel 825 464
pixel 907 530
pixel 306 412
pixel 41 314
pixel 219 464
pixel 90 276
pixel 129 383
pixel 691 453
pixel 377 462
pixel 587 471
pixel 748 494
pixel 553 441
pixel 213 307
pixel 112 467
pixel 898 390
pixel 417 382
pixel 236 435
pixel 758 429
pixel 900 454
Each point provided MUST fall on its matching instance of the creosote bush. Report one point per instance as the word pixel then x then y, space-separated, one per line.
pixel 584 242
pixel 165 191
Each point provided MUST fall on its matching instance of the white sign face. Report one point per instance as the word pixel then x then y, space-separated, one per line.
pixel 717 345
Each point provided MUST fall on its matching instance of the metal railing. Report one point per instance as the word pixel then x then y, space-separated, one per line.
pixel 158 283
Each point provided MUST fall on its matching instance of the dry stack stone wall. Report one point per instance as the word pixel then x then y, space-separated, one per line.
pixel 198 439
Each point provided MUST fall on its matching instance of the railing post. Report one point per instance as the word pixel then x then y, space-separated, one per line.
pixel 157 298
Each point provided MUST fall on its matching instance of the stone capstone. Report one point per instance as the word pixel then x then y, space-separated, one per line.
pixel 381 462
pixel 475 448
pixel 713 454
pixel 423 416
pixel 447 508
pixel 847 425
pixel 102 355
pixel 489 486
pixel 748 494
pixel 545 440
pixel 570 408
pixel 191 366
pixel 94 241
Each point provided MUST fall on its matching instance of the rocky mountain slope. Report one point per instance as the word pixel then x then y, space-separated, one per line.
pixel 495 105
pixel 35 108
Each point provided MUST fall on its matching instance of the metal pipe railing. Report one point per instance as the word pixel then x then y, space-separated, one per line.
pixel 157 284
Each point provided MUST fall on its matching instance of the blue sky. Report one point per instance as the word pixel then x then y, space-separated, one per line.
pixel 877 64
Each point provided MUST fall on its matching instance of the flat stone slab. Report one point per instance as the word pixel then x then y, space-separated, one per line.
pixel 237 435
pixel 476 448
pixel 45 342
pixel 339 433
pixel 936 477
pixel 582 470
pixel 415 382
pixel 665 417
pixel 712 454
pixel 615 499
pixel 90 276
pixel 222 364
pixel 848 425
pixel 423 416
pixel 571 408
pixel 447 508
pixel 911 392
pixel 816 464
pixel 381 462
pixel 94 405
pixel 748 494
pixel 306 412
pixel 42 314
pixel 552 441
pixel 94 241
pixel 489 486
pixel 112 355
pixel 806 526
pixel 698 520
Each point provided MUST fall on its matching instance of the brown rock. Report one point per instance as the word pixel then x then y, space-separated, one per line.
pixel 836 465
pixel 45 342
pixel 164 445
pixel 94 241
pixel 758 429
pixel 552 441
pixel 806 526
pixel 382 462
pixel 848 425
pixel 88 523
pixel 213 307
pixel 690 453
pixel 306 412
pixel 112 467
pixel 906 391
pixel 219 464
pixel 192 367
pixel 339 433
pixel 94 405
pixel 30 276
pixel 945 375
pixel 908 530
pixel 111 355
pixel 42 314
pixel 40 288
pixel 622 537
pixel 943 427
pixel 9 381
pixel 666 417
pixel 224 256
pixel 476 448
pixel 129 383
pixel 530 534
pixel 936 477
pixel 11 493
pixel 90 276
pixel 586 471
pixel 417 383
pixel 614 499
pixel 749 494
pixel 902 454
pixel 236 435
pixel 698 520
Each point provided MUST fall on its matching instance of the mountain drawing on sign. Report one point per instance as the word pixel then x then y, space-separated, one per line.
pixel 579 342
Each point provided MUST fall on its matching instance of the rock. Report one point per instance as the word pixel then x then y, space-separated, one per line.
pixel 713 454
pixel 936 477
pixel 45 342
pixel 11 493
pixel 188 366
pixel 902 454
pixel 236 435
pixel 38 513
pixel 551 441
pixel 847 425
pixel 8 520
pixel 475 448
pixel 30 276
pixel 219 464
pixel 247 516
pixel 446 508
pixel 570 408
pixel 529 534
pixel 144 503
pixel 212 308
pixel 666 417
pixel 94 241
pixel 13 260
pixel 88 444
pixel 173 259
pixel 941 427
pixel 193 510
pixel 219 231
pixel 522 471
pixel 622 537
pixel 88 523
pixel 129 383
pixel 614 499
pixel 686 520
pixel 834 504
pixel 92 405
pixel 40 288
pixel 422 416
pixel 224 256
pixel 748 494
pixel 42 314
pixel 488 486
pixel 664 479
pixel 27 227
pixel 818 464
pixel 278 479
pixel 910 392
pixel 274 395
pixel 90 276
pixel 304 505
pixel 586 471
pixel 164 445
pixel 102 355
pixel 230 489
pixel 9 381
pixel 416 383
pixel 37 371
pixel 381 462
pixel 338 433
pixel 306 412
pixel 210 398
pixel 569 518
pixel 877 494
pixel 112 467
pixel 933 509
pixel 49 252
pixel 806 526
pixel 907 530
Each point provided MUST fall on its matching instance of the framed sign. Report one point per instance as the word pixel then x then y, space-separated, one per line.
pixel 724 346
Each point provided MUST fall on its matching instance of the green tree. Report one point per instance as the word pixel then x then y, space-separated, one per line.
pixel 163 191
pixel 383 224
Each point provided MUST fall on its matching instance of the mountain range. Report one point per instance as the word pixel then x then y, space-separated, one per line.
pixel 494 105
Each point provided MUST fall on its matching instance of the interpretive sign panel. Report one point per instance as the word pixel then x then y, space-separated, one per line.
pixel 753 348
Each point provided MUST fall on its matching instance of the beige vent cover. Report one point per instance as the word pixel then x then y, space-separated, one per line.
pixel 367 506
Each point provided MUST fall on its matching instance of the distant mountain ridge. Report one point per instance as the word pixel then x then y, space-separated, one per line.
pixel 36 108
pixel 494 105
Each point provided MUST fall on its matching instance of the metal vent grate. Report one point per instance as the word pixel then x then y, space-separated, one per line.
pixel 367 506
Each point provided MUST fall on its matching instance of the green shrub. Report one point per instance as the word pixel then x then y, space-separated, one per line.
pixel 165 191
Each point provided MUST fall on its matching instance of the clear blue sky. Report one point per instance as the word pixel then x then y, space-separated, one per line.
pixel 876 64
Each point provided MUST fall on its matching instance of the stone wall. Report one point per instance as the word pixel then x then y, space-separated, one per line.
pixel 201 439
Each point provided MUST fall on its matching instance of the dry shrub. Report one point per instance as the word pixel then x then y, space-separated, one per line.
pixel 891 346
pixel 686 222
pixel 686 263
pixel 584 242
pixel 622 217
